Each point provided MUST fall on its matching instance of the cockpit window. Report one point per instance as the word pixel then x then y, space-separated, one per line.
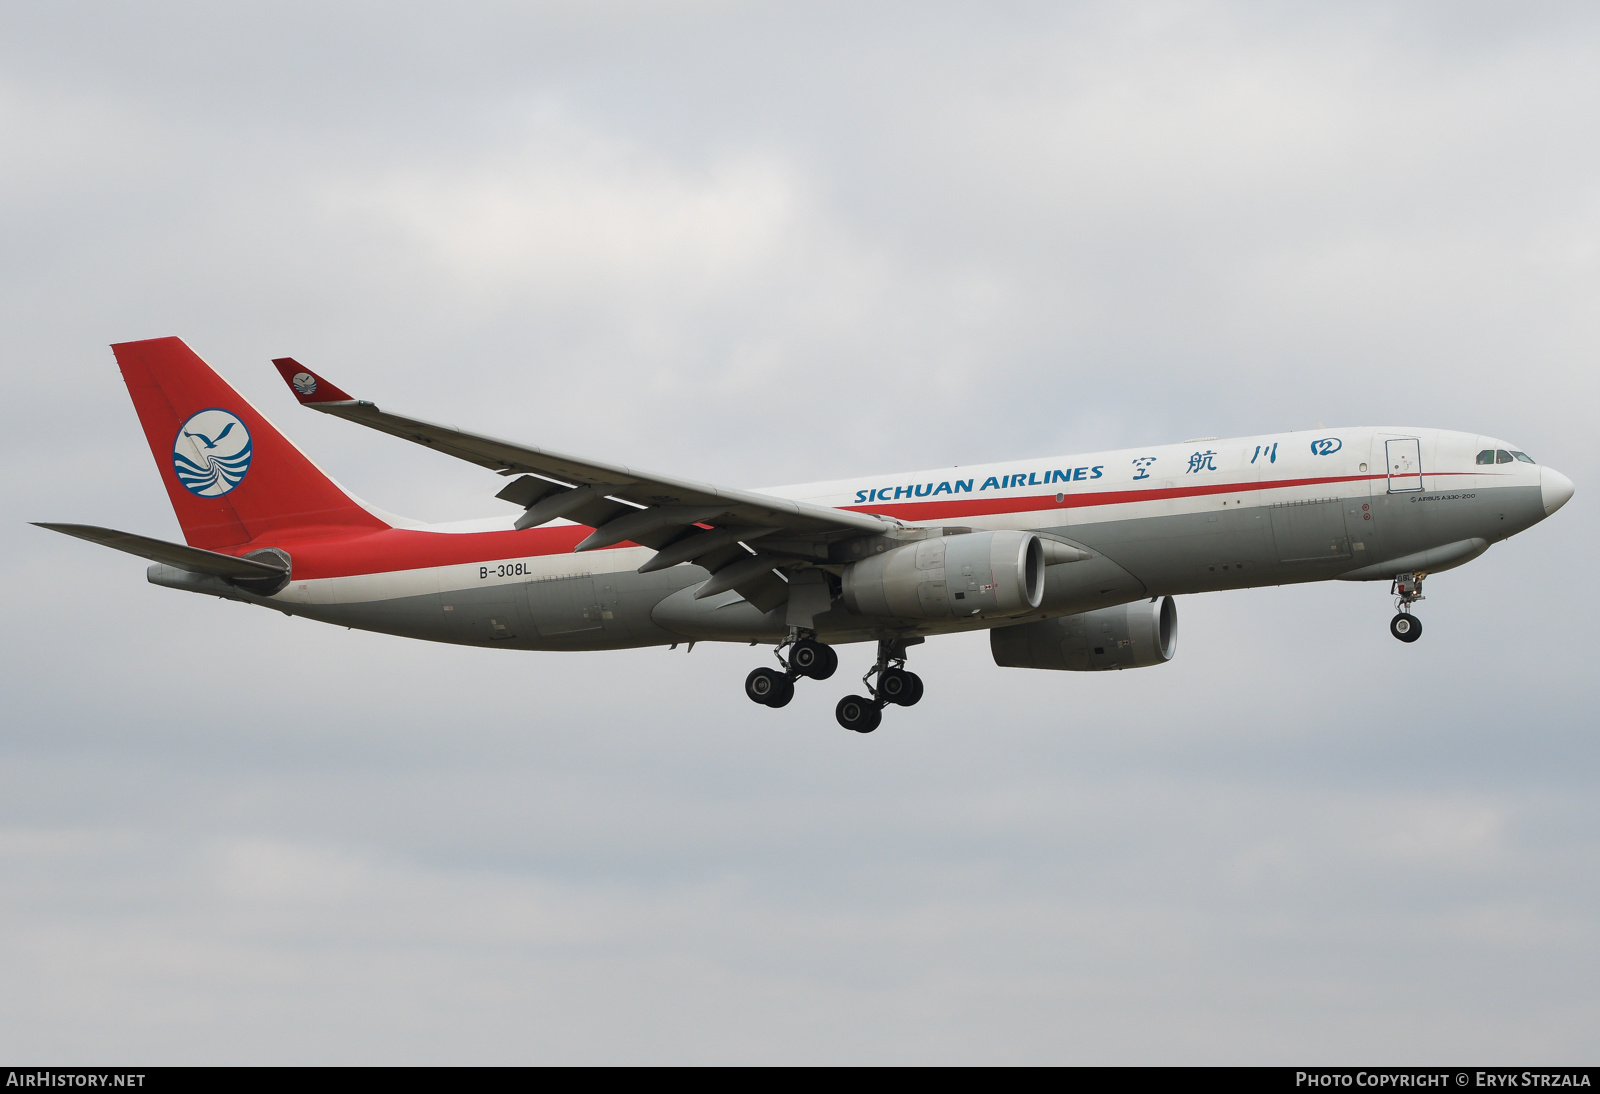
pixel 1502 456
pixel 1486 456
pixel 1524 457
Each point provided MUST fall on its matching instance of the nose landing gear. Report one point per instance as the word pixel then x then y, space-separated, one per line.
pixel 1407 590
pixel 896 684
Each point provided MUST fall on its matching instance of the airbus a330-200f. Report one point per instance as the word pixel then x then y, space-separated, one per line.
pixel 1069 562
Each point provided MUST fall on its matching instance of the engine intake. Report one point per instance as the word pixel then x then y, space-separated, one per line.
pixel 978 574
pixel 1128 636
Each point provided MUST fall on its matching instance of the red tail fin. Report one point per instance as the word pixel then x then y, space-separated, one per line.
pixel 231 476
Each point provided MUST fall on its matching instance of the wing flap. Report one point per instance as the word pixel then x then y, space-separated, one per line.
pixel 529 490
pixel 599 512
pixel 765 592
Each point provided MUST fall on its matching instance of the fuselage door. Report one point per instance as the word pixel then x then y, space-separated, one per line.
pixel 1405 464
pixel 565 605
pixel 1310 530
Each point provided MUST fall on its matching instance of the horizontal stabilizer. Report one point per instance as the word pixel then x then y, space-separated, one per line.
pixel 193 559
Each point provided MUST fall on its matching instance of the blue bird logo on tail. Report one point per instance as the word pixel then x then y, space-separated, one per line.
pixel 209 442
pixel 212 453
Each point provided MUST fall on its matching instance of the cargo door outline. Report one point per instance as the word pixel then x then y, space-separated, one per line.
pixel 564 605
pixel 1310 531
pixel 492 614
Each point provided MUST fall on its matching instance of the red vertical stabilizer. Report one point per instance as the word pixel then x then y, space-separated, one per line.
pixel 231 476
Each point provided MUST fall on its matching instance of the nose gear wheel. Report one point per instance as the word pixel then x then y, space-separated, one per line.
pixel 1406 627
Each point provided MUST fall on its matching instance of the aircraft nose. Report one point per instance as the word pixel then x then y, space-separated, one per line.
pixel 1555 488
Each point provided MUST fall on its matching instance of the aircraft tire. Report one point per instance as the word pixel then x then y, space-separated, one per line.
pixel 899 687
pixel 813 659
pixel 1406 627
pixel 783 693
pixel 768 687
pixel 858 713
pixel 916 690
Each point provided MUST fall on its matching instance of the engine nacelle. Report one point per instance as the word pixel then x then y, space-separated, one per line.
pixel 978 574
pixel 1128 636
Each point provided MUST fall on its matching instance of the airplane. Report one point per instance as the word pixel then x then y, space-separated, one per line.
pixel 1070 563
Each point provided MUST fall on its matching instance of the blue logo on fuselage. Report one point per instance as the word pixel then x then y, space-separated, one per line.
pixel 212 453
pixel 1326 447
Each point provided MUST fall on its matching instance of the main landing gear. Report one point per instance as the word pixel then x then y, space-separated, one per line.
pixel 806 657
pixel 1406 590
pixel 895 685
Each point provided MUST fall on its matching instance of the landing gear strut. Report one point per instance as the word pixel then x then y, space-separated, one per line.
pixel 895 685
pixel 1406 590
pixel 806 657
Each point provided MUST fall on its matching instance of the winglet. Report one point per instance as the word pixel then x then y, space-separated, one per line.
pixel 307 386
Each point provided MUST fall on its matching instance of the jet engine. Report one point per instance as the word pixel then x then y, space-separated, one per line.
pixel 976 574
pixel 1128 636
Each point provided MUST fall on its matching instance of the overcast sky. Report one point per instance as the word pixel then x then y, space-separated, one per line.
pixel 759 244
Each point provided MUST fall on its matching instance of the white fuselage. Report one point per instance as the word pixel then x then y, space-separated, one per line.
pixel 1204 514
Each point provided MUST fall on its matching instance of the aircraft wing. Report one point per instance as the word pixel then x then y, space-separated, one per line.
pixel 684 521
